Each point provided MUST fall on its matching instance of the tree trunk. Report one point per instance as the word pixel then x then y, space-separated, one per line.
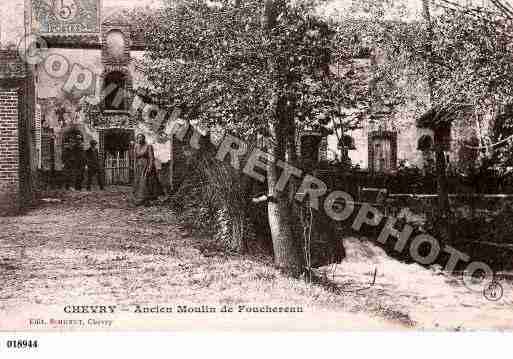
pixel 443 191
pixel 287 250
pixel 443 194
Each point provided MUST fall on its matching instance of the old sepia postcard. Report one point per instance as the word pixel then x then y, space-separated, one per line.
pixel 268 165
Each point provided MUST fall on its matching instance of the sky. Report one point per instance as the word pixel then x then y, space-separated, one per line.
pixel 132 3
pixel 333 7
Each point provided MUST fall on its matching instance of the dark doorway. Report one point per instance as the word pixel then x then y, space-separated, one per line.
pixel 310 151
pixel 117 140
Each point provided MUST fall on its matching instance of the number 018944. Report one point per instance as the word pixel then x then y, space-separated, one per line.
pixel 22 344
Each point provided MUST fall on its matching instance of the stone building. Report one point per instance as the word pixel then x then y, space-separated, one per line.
pixel 113 58
pixel 393 135
pixel 39 102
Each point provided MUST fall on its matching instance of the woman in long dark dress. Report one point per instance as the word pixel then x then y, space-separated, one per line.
pixel 146 184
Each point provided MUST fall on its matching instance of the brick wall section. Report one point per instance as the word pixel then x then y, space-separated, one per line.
pixel 9 152
pixel 27 143
pixel 37 137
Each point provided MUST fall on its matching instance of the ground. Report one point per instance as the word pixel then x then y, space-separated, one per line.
pixel 79 248
pixel 429 297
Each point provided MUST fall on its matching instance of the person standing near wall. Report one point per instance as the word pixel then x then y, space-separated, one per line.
pixel 94 166
pixel 67 156
pixel 146 185
pixel 79 163
pixel 73 158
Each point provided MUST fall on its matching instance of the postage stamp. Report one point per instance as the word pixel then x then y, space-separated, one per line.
pixel 66 16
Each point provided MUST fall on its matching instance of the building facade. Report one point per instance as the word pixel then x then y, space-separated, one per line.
pixel 391 135
pixel 39 103
pixel 113 57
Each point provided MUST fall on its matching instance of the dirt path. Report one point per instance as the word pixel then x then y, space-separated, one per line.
pixel 92 248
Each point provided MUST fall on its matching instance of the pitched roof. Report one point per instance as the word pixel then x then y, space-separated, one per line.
pixel 116 15
pixel 133 17
pixel 441 116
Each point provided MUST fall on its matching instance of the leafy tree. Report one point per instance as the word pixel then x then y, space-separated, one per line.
pixel 462 54
pixel 249 68
pixel 501 134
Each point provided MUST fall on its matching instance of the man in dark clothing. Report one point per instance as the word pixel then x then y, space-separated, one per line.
pixel 94 167
pixel 79 163
pixel 74 160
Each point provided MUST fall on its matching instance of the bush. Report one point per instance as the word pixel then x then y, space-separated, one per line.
pixel 216 199
pixel 486 238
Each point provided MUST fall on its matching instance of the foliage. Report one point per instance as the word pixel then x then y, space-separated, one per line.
pixel 213 63
pixel 91 112
pixel 501 133
pixel 471 58
pixel 227 69
pixel 392 82
pixel 468 61
pixel 484 237
pixel 214 198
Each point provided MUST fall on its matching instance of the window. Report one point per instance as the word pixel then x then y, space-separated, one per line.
pixel 442 136
pixel 382 151
pixel 310 148
pixel 114 87
pixel 382 155
pixel 115 44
